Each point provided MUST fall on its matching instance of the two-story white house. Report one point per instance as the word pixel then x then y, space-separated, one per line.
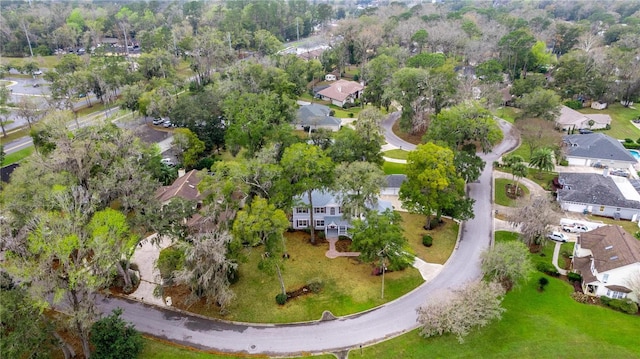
pixel 607 258
pixel 328 214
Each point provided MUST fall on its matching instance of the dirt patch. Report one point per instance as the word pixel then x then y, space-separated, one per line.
pixel 304 290
pixel 511 192
pixel 416 139
pixel 343 245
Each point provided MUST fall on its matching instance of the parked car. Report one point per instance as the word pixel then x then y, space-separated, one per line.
pixel 558 237
pixel 167 161
pixel 167 123
pixel 575 228
pixel 158 121
pixel 584 131
pixel 37 72
pixel 621 173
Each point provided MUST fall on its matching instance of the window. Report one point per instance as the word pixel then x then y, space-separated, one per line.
pixel 332 211
pixel 302 223
pixel 616 295
pixel 319 210
pixel 605 277
pixel 302 210
pixel 320 223
pixel 601 208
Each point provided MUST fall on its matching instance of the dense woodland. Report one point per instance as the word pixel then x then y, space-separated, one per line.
pixel 77 209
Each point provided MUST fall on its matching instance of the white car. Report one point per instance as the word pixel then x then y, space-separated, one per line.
pixel 167 161
pixel 37 72
pixel 558 237
pixel 575 228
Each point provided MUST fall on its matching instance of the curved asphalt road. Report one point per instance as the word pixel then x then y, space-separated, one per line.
pixel 345 333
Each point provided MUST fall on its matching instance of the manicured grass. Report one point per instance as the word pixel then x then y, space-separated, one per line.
pixel 17 156
pixel 444 237
pixel 14 135
pixel 536 324
pixel 47 62
pixel 392 168
pixel 508 114
pixel 631 227
pixel 523 151
pixel 501 193
pixel 621 126
pixel 156 349
pixel 349 286
pixel 398 154
pixel 351 112
pixel 544 178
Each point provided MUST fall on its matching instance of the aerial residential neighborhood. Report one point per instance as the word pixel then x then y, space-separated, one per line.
pixel 341 179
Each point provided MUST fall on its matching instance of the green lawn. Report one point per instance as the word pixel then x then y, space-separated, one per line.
pixel 444 237
pixel 536 324
pixel 47 62
pixel 392 168
pixel 397 154
pixel 349 286
pixel 501 193
pixel 621 125
pixel 156 349
pixel 631 227
pixel 508 114
pixel 17 156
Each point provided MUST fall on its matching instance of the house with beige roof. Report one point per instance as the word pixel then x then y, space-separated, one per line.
pixel 185 187
pixel 607 258
pixel 342 92
pixel 571 119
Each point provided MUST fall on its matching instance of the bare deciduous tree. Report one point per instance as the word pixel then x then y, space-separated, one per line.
pixel 476 305
pixel 207 268
pixel 533 220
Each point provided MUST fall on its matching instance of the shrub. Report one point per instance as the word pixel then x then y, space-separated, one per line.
pixel 607 127
pixel 574 277
pixel 356 77
pixel 542 282
pixel 564 162
pixel 628 140
pixel 622 305
pixel 580 297
pixel 631 146
pixel 350 114
pixel 204 163
pixel 170 260
pixel 112 337
pixel 315 285
pixel 573 104
pixel 281 298
pixel 427 240
pixel 547 268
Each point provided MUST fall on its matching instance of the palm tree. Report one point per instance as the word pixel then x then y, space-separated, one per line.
pixel 519 170
pixel 542 159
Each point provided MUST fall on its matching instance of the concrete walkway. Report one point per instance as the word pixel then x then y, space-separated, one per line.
pixel 428 271
pixel 333 253
pixel 556 254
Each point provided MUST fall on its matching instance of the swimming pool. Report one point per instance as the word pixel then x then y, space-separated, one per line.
pixel 635 154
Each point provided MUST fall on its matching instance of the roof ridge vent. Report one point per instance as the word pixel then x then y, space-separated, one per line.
pixel 608 247
pixel 613 258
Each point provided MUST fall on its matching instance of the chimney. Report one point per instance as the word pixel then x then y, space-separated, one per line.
pixel 181 172
pixel 339 88
pixel 605 172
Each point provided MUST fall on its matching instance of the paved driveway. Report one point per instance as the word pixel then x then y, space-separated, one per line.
pixel 386 321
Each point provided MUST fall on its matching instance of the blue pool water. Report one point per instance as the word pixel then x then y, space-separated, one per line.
pixel 635 154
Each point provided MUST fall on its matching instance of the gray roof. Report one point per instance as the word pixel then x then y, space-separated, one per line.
pixel 325 198
pixel 316 115
pixel 592 188
pixel 394 181
pixel 597 145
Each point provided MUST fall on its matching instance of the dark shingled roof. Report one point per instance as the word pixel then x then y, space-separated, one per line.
pixel 611 247
pixel 316 115
pixel 597 145
pixel 619 288
pixel 583 266
pixel 592 188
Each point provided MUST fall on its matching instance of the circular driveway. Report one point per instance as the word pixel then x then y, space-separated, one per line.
pixel 349 332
